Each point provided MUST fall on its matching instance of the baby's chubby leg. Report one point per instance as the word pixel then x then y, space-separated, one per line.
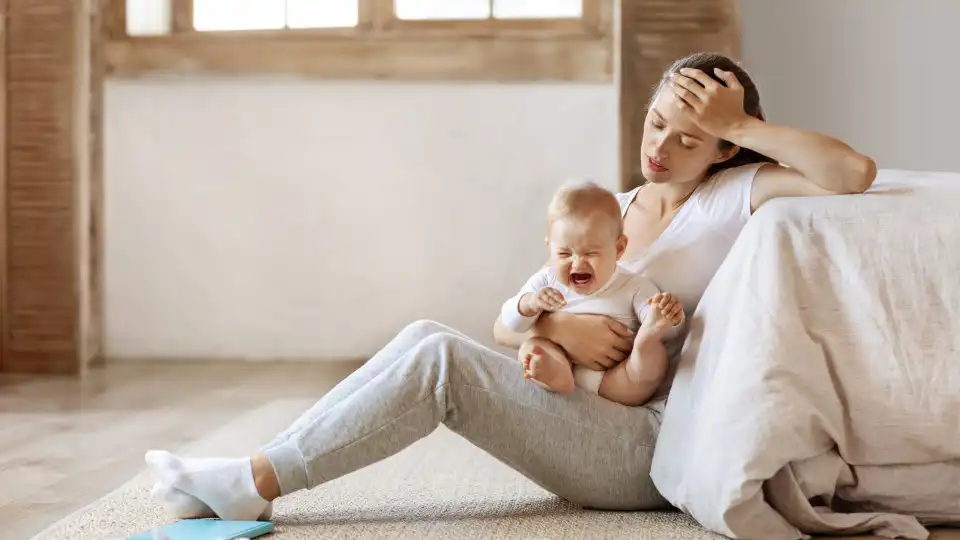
pixel 546 364
pixel 635 381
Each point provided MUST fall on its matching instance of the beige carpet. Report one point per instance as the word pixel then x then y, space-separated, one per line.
pixel 441 487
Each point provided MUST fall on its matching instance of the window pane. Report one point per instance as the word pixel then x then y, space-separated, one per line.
pixel 322 13
pixel 443 9
pixel 148 17
pixel 234 15
pixel 538 9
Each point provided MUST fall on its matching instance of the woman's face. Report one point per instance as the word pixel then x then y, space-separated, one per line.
pixel 674 149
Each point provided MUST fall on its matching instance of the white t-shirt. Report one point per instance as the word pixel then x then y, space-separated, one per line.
pixel 689 252
pixel 684 259
pixel 623 297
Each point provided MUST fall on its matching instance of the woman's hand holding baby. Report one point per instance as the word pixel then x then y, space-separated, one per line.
pixel 593 341
pixel 546 299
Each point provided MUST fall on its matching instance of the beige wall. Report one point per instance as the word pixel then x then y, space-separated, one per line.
pixel 292 219
pixel 878 73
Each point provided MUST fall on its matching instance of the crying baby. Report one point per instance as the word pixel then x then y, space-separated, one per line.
pixel 584 275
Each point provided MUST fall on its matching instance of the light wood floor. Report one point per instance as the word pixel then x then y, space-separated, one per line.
pixel 64 444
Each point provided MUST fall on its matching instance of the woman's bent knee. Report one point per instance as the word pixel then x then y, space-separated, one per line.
pixel 423 328
pixel 453 352
pixel 438 344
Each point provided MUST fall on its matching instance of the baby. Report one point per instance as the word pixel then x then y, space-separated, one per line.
pixel 586 240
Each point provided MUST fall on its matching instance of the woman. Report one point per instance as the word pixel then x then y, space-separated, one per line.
pixel 710 160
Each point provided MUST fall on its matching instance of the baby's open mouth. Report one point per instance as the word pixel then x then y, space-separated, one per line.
pixel 580 278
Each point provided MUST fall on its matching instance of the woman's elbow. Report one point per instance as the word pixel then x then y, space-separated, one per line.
pixel 500 334
pixel 862 173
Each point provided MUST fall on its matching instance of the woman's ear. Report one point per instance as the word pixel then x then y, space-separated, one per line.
pixel 621 245
pixel 726 153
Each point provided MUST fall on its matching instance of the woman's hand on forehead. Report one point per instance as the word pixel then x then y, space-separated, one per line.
pixel 714 107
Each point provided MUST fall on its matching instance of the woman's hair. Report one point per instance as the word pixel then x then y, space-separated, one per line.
pixel 706 62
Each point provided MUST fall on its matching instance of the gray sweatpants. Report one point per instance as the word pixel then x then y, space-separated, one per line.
pixel 590 451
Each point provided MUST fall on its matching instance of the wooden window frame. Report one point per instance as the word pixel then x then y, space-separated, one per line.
pixel 381 46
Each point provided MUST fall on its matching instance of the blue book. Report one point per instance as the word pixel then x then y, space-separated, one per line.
pixel 207 529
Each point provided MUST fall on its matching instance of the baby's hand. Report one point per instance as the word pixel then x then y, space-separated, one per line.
pixel 665 311
pixel 546 299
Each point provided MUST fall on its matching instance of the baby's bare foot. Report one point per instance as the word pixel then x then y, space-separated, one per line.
pixel 655 324
pixel 548 367
pixel 665 313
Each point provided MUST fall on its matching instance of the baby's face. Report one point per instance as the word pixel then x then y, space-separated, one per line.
pixel 584 252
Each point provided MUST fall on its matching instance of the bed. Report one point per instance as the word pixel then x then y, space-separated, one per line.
pixel 819 388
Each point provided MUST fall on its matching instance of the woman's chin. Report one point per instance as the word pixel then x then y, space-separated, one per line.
pixel 656 177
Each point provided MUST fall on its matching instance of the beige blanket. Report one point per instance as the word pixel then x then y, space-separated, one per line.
pixel 819 389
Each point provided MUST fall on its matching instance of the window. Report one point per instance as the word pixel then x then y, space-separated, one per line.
pixel 403 39
pixel 488 9
pixel 153 17
pixel 440 10
pixel 273 14
pixel 148 17
pixel 221 15
pixel 537 9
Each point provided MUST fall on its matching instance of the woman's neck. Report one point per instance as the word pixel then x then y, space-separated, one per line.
pixel 668 198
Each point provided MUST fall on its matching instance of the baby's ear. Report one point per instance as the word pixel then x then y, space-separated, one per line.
pixel 621 245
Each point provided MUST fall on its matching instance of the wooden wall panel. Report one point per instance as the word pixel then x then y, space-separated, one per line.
pixel 651 35
pixel 4 293
pixel 99 36
pixel 47 188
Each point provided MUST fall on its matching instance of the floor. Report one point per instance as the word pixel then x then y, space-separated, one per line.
pixel 65 443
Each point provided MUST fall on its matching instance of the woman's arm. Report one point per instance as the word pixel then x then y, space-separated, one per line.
pixel 815 163
pixel 508 338
pixel 594 341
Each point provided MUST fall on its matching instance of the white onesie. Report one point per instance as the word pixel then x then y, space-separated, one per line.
pixel 624 298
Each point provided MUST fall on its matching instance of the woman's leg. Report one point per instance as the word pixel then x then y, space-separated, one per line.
pixel 184 505
pixel 405 340
pixel 604 460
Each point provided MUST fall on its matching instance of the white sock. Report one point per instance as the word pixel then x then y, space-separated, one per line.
pixel 183 505
pixel 180 503
pixel 224 485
